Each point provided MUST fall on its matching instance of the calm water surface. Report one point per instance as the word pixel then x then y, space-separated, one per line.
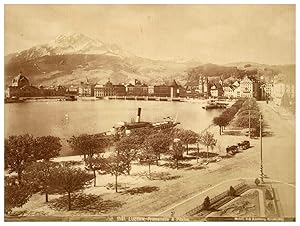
pixel 64 119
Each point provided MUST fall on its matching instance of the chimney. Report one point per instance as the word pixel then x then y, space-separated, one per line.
pixel 138 115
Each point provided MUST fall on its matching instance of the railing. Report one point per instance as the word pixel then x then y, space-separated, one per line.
pixel 218 201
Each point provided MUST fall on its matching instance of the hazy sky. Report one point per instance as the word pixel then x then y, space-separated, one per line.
pixel 211 33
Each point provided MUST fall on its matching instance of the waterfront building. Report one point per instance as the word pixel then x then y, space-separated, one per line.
pixel 72 90
pixel 173 90
pixel 162 91
pixel 203 85
pixel 236 84
pixel 20 87
pixel 108 89
pixel 60 90
pixel 229 91
pixel 246 86
pixel 20 80
pixel 86 89
pixel 216 90
pixel 50 91
pixel 130 89
pixel 144 90
pixel 237 92
pixel 119 90
pixel 99 91
pixel 150 90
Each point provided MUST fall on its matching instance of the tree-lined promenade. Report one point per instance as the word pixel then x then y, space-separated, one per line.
pixel 31 159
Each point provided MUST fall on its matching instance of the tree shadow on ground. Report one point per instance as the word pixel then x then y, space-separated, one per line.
pixel 203 154
pixel 197 167
pixel 226 156
pixel 163 176
pixel 187 158
pixel 181 165
pixel 112 186
pixel 267 134
pixel 157 175
pixel 141 190
pixel 232 133
pixel 85 202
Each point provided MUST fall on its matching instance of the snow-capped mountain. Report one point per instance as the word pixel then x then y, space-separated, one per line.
pixel 72 44
pixel 70 58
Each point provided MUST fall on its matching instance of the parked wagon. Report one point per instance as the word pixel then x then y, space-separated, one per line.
pixel 244 145
pixel 232 149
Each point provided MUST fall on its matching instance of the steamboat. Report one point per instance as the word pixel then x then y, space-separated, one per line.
pixel 128 127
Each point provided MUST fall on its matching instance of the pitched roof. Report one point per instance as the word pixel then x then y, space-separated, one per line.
pixel 174 83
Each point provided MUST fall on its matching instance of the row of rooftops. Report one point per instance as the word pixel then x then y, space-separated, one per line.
pixel 136 82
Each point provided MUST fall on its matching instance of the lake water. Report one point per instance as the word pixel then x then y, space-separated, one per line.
pixel 64 119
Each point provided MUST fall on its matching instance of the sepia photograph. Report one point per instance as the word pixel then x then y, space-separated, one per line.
pixel 149 112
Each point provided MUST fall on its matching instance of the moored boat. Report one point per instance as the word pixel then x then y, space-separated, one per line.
pixel 70 98
pixel 128 127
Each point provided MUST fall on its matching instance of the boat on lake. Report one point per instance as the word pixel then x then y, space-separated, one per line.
pixel 128 127
pixel 213 104
pixel 13 100
pixel 70 98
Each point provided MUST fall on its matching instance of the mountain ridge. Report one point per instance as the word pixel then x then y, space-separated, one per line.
pixel 70 59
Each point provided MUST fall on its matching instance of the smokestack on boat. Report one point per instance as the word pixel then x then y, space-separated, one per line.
pixel 138 117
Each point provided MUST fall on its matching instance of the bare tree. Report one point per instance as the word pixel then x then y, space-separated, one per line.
pixel 207 139
pixel 116 166
pixel 95 163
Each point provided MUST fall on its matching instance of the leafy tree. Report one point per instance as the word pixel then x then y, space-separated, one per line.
pixel 207 139
pixel 148 155
pixel 188 137
pixel 128 148
pixel 206 203
pixel 70 180
pixel 40 176
pixel 243 121
pixel 15 194
pixel 95 163
pixel 157 144
pixel 221 121
pixel 47 147
pixel 88 145
pixel 19 152
pixel 177 151
pixel 115 165
pixel 143 132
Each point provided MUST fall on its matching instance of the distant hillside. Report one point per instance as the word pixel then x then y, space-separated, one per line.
pixel 72 59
